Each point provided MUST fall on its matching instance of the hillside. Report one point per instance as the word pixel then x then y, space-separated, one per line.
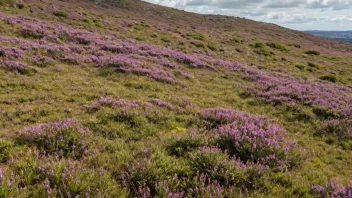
pixel 130 99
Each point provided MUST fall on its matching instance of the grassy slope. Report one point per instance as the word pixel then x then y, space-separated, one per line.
pixel 60 91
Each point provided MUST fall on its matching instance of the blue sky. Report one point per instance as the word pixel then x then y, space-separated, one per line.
pixel 294 14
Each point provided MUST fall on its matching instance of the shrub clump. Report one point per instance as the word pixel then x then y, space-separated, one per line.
pixel 42 61
pixel 301 67
pixel 60 14
pixel 277 46
pixel 213 47
pixel 333 189
pixel 331 78
pixel 165 40
pixel 339 128
pixel 313 65
pixel 197 36
pixel 64 138
pixel 251 138
pixel 19 67
pixel 259 45
pixel 312 52
pixel 200 45
pixel 53 177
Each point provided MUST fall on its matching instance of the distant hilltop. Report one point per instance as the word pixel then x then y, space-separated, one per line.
pixel 337 35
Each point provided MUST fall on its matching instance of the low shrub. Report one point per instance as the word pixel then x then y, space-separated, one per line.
pixel 313 65
pixel 60 14
pixel 338 128
pixel 331 78
pixel 312 52
pixel 5 147
pixel 264 52
pixel 277 46
pixel 165 40
pixel 333 189
pixel 63 138
pixel 250 138
pixel 200 45
pixel 187 143
pixel 197 36
pixel 301 67
pixel 259 45
pixel 213 47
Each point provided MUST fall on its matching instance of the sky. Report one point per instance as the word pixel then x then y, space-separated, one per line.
pixel 294 14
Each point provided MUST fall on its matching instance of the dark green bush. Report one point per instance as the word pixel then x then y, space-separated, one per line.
pixel 264 52
pixel 197 36
pixel 200 45
pixel 312 52
pixel 331 78
pixel 20 5
pixel 259 45
pixel 213 47
pixel 165 40
pixel 301 67
pixel 277 46
pixel 314 65
pixel 60 14
pixel 179 147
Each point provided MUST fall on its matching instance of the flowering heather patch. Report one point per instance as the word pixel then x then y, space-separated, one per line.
pixel 42 61
pixel 203 186
pixel 10 52
pixel 278 88
pixel 214 117
pixel 251 138
pixel 58 178
pixel 33 31
pixel 17 67
pixel 64 138
pixel 167 105
pixel 341 129
pixel 333 189
pixel 108 101
pixel 184 74
pixel 142 181
pixel 183 102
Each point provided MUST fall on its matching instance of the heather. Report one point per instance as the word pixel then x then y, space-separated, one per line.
pixel 333 189
pixel 129 99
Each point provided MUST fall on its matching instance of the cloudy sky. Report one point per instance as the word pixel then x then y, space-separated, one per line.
pixel 294 14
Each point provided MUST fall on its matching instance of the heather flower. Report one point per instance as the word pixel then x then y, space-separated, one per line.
pixel 16 66
pixel 65 138
pixel 341 129
pixel 11 52
pixel 333 189
pixel 251 138
pixel 108 101
pixel 42 61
